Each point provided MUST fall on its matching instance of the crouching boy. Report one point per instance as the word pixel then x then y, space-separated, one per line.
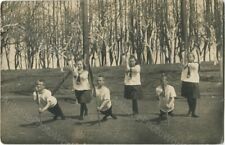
pixel 103 99
pixel 44 98
pixel 166 95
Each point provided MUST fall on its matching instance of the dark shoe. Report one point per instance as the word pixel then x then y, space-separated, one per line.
pixel 55 117
pixel 104 119
pixel 194 115
pixel 114 117
pixel 63 118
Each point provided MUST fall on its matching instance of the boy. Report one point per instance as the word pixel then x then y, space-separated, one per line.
pixel 45 98
pixel 166 94
pixel 103 99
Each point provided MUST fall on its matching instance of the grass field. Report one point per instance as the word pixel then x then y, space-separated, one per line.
pixel 19 117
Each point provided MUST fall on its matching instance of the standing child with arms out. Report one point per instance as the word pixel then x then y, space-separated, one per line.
pixel 103 99
pixel 166 94
pixel 44 97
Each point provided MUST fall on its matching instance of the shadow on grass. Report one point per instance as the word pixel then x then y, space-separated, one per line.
pixel 73 117
pixel 180 115
pixel 37 123
pixel 156 120
pixel 174 115
pixel 70 100
pixel 154 114
pixel 90 123
pixel 124 115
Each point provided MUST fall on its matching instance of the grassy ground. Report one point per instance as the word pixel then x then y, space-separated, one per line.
pixel 19 117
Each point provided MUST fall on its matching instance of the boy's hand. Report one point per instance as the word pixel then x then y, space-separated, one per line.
pixel 40 110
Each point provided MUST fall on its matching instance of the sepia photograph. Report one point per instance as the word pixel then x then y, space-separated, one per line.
pixel 112 71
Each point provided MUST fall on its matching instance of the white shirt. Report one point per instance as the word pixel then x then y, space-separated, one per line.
pixel 194 75
pixel 45 97
pixel 102 95
pixel 84 83
pixel 135 79
pixel 164 100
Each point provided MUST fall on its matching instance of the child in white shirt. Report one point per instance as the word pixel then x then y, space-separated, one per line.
pixel 190 84
pixel 132 83
pixel 82 88
pixel 103 99
pixel 44 97
pixel 166 94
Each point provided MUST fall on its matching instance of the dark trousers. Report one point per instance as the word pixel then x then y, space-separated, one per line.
pixel 56 110
pixel 192 102
pixel 83 109
pixel 135 106
pixel 107 113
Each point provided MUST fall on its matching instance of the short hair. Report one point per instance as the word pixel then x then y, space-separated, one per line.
pixel 133 57
pixel 84 65
pixel 40 80
pixel 101 76
pixel 191 53
pixel 163 75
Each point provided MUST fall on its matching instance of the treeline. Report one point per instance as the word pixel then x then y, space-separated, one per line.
pixel 48 34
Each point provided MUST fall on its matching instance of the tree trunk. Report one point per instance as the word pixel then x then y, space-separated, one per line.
pixel 7 52
pixel 184 34
pixel 84 7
